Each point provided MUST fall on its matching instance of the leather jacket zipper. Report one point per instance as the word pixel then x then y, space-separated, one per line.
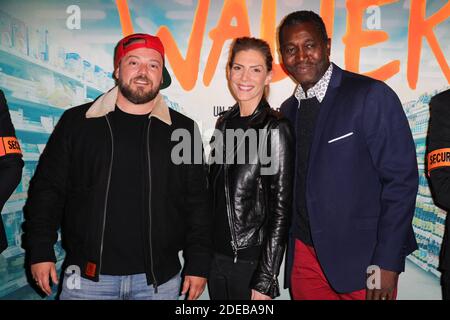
pixel 234 245
pixel 107 192
pixel 155 283
pixel 230 216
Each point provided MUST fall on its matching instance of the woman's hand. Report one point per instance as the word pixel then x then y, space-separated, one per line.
pixel 259 296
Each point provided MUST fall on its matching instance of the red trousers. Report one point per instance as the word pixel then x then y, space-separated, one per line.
pixel 308 281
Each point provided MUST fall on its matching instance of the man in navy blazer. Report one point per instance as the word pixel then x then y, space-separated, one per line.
pixel 356 174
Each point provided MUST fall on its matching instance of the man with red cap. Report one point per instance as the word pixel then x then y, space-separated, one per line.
pixel 125 208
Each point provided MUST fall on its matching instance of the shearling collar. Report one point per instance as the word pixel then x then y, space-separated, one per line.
pixel 106 103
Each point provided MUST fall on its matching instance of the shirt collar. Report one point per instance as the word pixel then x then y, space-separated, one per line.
pixel 318 90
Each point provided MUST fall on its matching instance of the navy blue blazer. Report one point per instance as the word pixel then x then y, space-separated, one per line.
pixel 361 183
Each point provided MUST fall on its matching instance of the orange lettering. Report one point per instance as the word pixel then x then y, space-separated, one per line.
pixel 125 18
pixel 327 14
pixel 420 27
pixel 186 70
pixel 268 33
pixel 356 38
pixel 224 31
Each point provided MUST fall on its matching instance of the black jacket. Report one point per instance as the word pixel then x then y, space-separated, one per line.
pixel 259 204
pixel 10 162
pixel 70 189
pixel 438 139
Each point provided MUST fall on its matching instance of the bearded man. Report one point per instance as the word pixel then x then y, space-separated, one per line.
pixel 125 209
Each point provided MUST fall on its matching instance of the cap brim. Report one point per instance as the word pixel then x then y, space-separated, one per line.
pixel 167 80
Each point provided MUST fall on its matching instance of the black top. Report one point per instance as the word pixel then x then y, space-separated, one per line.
pixel 10 164
pixel 222 232
pixel 439 138
pixel 306 122
pixel 123 247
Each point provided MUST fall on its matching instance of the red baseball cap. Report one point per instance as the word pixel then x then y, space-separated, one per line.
pixel 129 43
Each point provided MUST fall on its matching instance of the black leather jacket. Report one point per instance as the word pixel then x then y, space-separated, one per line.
pixel 259 203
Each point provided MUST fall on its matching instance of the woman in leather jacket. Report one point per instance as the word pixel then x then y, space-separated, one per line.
pixel 250 178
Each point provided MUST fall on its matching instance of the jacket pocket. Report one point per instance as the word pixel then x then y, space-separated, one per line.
pixel 343 138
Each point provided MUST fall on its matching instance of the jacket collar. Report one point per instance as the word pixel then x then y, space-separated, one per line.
pixel 336 77
pixel 106 103
pixel 329 101
pixel 257 118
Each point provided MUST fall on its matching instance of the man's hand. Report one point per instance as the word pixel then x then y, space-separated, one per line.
pixel 388 283
pixel 195 286
pixel 256 295
pixel 42 272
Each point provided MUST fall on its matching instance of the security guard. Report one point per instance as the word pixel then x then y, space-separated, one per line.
pixel 438 162
pixel 10 162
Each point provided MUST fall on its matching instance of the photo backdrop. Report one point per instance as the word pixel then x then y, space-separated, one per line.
pixel 55 54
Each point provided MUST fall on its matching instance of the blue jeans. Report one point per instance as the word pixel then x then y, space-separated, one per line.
pixel 132 287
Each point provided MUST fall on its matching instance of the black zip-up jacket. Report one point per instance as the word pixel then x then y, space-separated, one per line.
pixel 71 184
pixel 259 203
pixel 438 163
pixel 10 162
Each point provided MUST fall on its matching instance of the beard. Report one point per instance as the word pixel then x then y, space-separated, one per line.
pixel 139 95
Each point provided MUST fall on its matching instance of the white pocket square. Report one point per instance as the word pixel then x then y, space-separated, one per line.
pixel 341 137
